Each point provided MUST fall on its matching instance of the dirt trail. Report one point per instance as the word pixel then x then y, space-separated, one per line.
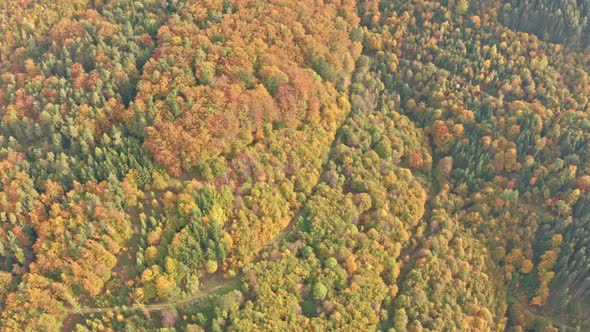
pixel 209 286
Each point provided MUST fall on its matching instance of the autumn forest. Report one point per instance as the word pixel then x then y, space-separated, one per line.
pixel 280 165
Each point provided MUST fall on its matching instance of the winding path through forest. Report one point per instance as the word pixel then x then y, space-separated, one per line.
pixel 210 286
pixel 215 283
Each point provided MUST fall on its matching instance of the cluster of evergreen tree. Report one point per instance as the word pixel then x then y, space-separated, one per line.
pixel 559 21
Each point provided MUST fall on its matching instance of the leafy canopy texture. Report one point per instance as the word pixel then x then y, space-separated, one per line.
pixel 317 165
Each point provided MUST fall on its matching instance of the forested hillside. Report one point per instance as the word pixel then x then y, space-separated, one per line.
pixel 326 165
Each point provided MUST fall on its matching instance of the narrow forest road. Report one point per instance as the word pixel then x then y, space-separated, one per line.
pixel 209 287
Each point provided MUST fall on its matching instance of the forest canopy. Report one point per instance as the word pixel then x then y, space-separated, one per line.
pixel 326 165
